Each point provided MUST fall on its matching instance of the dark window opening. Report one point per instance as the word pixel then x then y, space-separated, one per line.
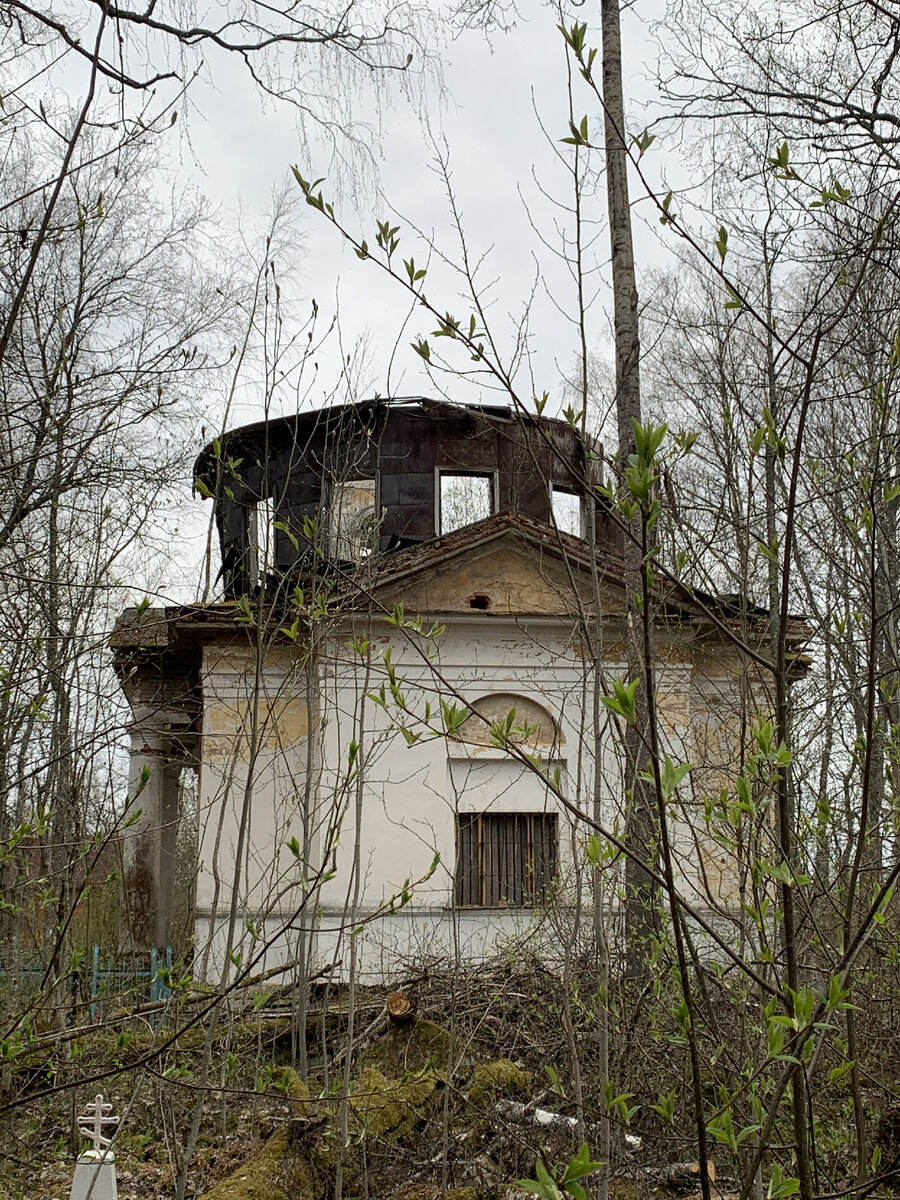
pixel 480 601
pixel 504 860
pixel 465 497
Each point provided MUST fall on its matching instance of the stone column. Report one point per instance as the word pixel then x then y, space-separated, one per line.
pixel 157 758
pixel 157 668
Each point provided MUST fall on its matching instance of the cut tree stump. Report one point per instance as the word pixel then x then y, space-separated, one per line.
pixel 679 1175
pixel 401 1007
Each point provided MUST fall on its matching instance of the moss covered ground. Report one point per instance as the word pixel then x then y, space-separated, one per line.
pixel 419 1118
pixel 395 1106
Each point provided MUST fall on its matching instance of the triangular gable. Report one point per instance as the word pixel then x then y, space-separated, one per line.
pixel 523 566
pixel 500 569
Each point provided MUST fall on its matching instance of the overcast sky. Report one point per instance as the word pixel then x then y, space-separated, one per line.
pixel 510 185
pixel 497 93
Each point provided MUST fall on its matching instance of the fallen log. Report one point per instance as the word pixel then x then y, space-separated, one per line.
pixel 526 1114
pixel 676 1176
pixel 368 1035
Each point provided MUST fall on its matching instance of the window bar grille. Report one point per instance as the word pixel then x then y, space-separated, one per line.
pixel 504 859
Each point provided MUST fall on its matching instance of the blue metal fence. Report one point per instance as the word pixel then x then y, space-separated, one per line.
pixel 115 981
pixel 128 981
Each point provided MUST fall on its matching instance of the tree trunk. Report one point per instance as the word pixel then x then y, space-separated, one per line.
pixel 641 833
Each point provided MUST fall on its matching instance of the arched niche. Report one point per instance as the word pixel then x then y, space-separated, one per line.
pixel 543 731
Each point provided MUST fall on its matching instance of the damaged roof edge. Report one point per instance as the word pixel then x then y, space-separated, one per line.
pixel 333 414
pixel 153 628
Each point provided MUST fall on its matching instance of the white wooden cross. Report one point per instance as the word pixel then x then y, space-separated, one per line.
pixel 91 1122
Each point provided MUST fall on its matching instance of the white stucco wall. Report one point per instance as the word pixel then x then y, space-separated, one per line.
pixel 408 795
pixel 392 806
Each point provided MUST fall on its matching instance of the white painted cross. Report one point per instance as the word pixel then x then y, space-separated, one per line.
pixel 95 1170
pixel 96 1115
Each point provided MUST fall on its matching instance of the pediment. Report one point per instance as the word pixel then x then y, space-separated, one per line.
pixel 507 575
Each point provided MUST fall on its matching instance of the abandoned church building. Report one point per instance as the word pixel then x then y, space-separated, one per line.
pixel 395 577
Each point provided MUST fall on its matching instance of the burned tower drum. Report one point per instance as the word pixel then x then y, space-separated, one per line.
pixel 341 484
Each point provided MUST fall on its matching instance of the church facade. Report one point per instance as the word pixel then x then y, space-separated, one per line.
pixel 393 711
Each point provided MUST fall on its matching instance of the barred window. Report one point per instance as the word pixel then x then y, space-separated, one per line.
pixel 504 859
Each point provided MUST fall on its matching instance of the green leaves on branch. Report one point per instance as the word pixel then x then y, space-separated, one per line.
pixel 550 1187
pixel 245 614
pixel 685 440
pixel 879 915
pixel 506 732
pixel 387 237
pixel 617 1103
pixel 767 434
pixel 402 898
pixel 642 471
pixel 575 37
pixel 313 199
pixel 623 701
pixel 734 301
pixel 284 528
pixel 647 441
pixel 573 416
pixel 454 715
pixel 449 327
pixel 721 1127
pixel 779 871
pixel 10 1049
pixel 643 142
pixel 413 272
pixel 575 41
pixel 764 736
pixel 722 242
pixel 600 852
pixel 836 194
pixel 414 624
pixel 780 161
pixel 837 999
pixel 671 776
pixel 781 1186
pixel 579 134
pixel 666 1105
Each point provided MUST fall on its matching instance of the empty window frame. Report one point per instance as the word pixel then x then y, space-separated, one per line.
pixel 568 511
pixel 354 521
pixel 262 540
pixel 504 860
pixel 465 497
